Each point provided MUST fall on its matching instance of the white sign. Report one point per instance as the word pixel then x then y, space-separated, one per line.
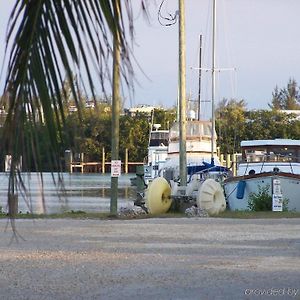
pixel 276 187
pixel 116 168
pixel 277 202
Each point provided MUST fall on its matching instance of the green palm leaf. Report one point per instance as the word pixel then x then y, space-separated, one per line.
pixel 49 40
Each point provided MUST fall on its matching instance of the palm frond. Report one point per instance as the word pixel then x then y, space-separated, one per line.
pixel 49 40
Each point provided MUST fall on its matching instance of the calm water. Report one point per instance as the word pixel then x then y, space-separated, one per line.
pixel 87 192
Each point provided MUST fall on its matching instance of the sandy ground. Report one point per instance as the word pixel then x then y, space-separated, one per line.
pixel 183 258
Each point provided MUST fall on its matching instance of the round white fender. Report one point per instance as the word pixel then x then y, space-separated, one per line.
pixel 211 197
pixel 158 200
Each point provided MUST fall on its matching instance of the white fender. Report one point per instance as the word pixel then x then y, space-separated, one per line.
pixel 211 197
pixel 158 200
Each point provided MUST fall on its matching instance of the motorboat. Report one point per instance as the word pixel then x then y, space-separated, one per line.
pixel 157 152
pixel 273 165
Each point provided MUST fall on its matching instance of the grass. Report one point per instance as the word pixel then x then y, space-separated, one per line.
pixel 107 216
pixel 259 214
pixel 88 215
pixel 64 215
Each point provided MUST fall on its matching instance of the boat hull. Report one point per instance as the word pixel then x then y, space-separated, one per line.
pixel 237 196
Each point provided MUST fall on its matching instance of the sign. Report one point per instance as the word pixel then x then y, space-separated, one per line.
pixel 116 168
pixel 277 198
pixel 147 172
pixel 277 202
pixel 276 187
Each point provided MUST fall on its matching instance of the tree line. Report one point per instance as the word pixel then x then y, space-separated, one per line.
pixel 90 131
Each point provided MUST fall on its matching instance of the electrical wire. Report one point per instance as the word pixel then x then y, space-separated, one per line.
pixel 170 20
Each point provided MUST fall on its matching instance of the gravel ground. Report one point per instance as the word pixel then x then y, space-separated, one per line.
pixel 197 258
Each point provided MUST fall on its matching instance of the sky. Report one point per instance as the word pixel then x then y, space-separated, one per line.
pixel 259 38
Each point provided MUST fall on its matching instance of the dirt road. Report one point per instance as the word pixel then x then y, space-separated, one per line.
pixel 172 258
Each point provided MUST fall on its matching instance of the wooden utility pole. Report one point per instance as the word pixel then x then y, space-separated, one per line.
pixel 182 95
pixel 213 79
pixel 115 107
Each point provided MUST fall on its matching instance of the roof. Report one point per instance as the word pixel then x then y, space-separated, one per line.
pixel 276 142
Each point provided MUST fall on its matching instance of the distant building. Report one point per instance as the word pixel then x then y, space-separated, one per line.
pixel 72 108
pixel 142 108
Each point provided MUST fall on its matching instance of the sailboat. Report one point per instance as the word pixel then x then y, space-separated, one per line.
pixel 192 173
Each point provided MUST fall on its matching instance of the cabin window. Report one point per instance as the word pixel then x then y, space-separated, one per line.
pixel 255 155
pixel 159 139
pixel 271 153
pixel 283 154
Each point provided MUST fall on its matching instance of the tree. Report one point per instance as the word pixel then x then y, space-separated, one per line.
pixel 271 124
pixel 164 117
pixel 47 39
pixel 287 98
pixel 230 124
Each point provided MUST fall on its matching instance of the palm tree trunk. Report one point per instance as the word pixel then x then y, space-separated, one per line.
pixel 115 108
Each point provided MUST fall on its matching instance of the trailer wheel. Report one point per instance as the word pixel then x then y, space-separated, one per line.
pixel 158 200
pixel 211 197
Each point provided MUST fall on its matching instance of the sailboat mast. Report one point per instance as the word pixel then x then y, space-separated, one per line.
pixel 199 75
pixel 213 77
pixel 182 95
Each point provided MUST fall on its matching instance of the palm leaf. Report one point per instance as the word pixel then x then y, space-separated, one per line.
pixel 49 41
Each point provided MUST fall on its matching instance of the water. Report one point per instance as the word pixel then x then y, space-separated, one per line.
pixel 86 192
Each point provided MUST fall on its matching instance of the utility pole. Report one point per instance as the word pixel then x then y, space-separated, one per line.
pixel 115 107
pixel 213 79
pixel 182 95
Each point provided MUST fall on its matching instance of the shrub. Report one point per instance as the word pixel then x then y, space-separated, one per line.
pixel 262 200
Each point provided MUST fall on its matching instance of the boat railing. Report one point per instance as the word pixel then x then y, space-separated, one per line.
pixel 193 138
pixel 272 163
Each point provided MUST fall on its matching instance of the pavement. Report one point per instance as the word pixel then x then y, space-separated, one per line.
pixel 160 258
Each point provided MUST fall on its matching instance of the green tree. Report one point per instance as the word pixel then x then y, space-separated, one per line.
pixel 230 124
pixel 287 98
pixel 134 135
pixel 267 124
pixel 164 117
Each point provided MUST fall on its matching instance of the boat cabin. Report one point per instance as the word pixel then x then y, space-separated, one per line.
pixel 159 138
pixel 278 150
pixel 195 130
pixel 198 140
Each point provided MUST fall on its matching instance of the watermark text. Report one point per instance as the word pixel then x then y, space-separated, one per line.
pixel 292 292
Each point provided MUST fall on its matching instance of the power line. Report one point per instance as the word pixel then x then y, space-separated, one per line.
pixel 169 20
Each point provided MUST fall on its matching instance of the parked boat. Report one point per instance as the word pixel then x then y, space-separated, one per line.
pixel 270 164
pixel 198 150
pixel 157 152
pixel 156 157
pixel 191 174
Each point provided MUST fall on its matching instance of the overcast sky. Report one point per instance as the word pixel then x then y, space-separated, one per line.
pixel 260 38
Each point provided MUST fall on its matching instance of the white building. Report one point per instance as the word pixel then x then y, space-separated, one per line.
pixel 142 108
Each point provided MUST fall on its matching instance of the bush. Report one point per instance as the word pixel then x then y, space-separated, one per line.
pixel 262 200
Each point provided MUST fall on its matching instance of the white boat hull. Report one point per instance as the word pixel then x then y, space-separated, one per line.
pixel 290 188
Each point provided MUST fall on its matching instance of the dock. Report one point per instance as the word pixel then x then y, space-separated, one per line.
pixel 100 167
